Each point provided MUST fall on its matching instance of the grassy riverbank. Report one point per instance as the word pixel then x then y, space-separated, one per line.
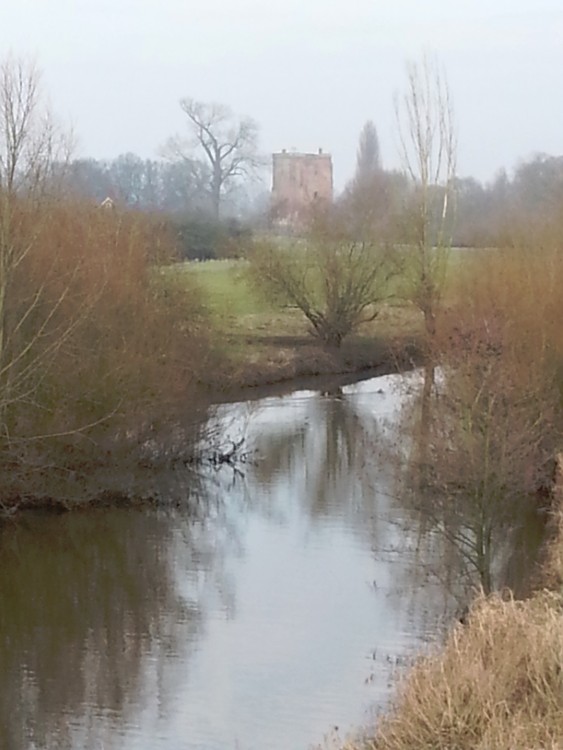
pixel 264 343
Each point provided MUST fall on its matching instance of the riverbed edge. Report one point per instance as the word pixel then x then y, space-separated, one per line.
pixel 357 359
pixel 297 364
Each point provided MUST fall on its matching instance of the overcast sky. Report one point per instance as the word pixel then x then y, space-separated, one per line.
pixel 311 72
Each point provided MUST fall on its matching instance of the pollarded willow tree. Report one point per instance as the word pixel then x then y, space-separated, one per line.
pixel 336 279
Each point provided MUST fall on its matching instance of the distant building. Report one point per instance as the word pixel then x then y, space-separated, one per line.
pixel 300 182
pixel 108 203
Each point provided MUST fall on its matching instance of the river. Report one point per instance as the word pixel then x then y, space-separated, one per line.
pixel 263 607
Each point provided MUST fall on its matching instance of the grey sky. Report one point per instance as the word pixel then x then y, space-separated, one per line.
pixel 309 71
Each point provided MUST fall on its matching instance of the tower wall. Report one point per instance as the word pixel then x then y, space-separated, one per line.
pixel 300 181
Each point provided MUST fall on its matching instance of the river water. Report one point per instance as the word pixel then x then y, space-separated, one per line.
pixel 263 608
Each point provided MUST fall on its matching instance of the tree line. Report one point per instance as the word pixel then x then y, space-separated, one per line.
pixel 216 173
pixel 175 187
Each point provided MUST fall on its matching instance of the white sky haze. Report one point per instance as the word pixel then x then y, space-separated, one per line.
pixel 309 71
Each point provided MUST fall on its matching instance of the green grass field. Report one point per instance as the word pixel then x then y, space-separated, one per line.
pixel 225 288
pixel 235 307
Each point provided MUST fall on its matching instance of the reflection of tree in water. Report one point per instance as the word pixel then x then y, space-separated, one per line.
pixel 338 458
pixel 324 457
pixel 89 607
pixel 466 483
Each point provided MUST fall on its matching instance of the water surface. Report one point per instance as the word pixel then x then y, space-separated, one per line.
pixel 272 604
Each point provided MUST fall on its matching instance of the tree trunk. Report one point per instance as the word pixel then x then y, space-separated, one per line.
pixel 430 325
pixel 216 192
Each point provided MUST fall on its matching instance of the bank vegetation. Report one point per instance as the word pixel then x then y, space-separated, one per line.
pixel 485 435
pixel 484 447
pixel 93 349
pixel 496 683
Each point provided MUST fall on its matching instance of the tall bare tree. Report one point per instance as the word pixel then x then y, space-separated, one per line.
pixel 428 141
pixel 25 151
pixel 229 145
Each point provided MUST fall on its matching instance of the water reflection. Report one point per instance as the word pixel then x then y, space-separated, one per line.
pixel 276 612
pixel 477 525
pixel 325 456
pixel 91 616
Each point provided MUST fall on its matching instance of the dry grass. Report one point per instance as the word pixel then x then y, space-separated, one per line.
pixel 497 684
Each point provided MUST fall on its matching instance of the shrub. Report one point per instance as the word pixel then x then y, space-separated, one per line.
pixel 208 239
pixel 95 344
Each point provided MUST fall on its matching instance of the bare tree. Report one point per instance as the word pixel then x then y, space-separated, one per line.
pixel 492 434
pixel 429 148
pixel 337 282
pixel 28 146
pixel 229 145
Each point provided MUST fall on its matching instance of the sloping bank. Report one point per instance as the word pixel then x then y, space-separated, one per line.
pixel 497 684
pixel 290 359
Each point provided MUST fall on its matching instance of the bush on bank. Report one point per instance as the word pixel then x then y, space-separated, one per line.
pixel 203 238
pixel 94 347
